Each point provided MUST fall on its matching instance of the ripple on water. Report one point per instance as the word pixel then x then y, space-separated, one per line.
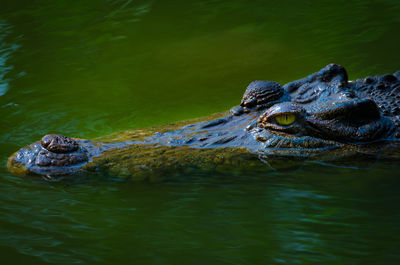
pixel 6 50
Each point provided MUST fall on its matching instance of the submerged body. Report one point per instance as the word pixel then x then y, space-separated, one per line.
pixel 322 115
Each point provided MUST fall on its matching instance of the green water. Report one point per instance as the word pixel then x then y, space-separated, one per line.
pixel 89 68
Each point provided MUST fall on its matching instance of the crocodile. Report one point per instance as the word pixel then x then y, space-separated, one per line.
pixel 323 115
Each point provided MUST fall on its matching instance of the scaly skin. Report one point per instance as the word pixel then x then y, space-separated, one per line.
pixel 329 117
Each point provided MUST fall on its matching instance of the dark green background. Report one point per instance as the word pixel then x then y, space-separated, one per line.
pixel 89 68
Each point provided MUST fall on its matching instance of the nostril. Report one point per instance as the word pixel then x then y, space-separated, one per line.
pixel 59 144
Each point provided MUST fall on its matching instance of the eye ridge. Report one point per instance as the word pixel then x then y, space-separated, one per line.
pixel 285 119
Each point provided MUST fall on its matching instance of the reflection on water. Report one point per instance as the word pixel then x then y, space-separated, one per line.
pixel 129 9
pixel 6 49
pixel 311 215
pixel 89 68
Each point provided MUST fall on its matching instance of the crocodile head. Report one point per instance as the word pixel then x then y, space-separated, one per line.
pixel 321 112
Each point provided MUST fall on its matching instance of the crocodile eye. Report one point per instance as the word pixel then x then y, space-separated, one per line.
pixel 285 119
pixel 282 114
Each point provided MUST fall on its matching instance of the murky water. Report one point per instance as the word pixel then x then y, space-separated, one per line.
pixel 89 68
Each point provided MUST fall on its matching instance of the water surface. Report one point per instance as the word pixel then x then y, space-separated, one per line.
pixel 89 68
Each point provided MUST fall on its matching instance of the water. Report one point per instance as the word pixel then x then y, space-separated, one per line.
pixel 89 68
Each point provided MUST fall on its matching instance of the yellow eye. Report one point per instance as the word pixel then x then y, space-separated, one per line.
pixel 285 119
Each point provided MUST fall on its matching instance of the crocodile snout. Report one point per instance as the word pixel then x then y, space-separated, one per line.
pixel 53 155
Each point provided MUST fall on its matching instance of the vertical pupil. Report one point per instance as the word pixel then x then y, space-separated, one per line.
pixel 285 119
